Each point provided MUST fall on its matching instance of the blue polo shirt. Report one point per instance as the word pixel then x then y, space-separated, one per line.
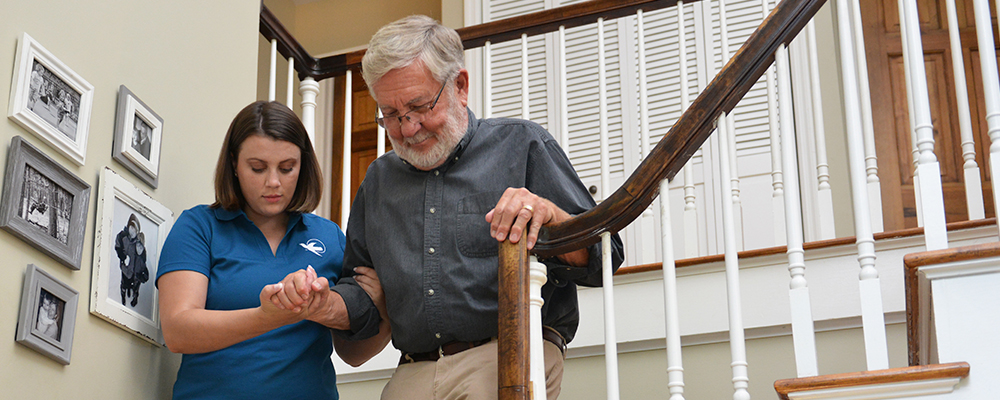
pixel 289 362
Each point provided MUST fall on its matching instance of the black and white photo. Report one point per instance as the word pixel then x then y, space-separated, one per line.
pixel 47 318
pixel 50 100
pixel 43 203
pixel 131 227
pixel 138 132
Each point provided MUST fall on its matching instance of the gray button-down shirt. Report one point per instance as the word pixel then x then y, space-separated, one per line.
pixel 425 234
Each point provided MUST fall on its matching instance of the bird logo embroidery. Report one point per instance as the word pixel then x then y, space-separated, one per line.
pixel 314 246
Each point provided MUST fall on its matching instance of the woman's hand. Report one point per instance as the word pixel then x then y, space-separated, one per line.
pixel 297 289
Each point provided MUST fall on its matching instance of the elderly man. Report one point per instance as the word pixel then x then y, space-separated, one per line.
pixel 429 215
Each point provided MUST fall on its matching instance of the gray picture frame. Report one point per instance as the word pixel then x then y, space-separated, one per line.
pixel 44 204
pixel 47 319
pixel 138 134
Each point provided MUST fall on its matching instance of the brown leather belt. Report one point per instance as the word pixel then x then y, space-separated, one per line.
pixel 451 348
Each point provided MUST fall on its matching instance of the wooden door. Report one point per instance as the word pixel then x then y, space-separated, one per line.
pixel 894 145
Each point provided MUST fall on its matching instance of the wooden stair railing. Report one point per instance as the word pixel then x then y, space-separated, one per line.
pixel 623 206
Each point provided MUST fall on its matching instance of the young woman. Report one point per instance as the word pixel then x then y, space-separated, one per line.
pixel 222 266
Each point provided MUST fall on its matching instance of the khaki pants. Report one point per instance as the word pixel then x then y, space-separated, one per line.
pixel 469 375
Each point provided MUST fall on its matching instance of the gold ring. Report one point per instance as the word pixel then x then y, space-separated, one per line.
pixel 529 208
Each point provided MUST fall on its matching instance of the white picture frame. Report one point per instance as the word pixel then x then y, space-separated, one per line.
pixel 48 315
pixel 138 133
pixel 118 252
pixel 50 100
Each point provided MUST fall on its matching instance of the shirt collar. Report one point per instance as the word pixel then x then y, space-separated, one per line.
pixel 229 215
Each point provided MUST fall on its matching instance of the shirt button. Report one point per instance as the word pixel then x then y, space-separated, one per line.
pixel 430 292
pixel 431 250
pixel 437 335
pixel 433 210
pixel 436 173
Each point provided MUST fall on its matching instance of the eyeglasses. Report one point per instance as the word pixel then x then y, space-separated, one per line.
pixel 414 116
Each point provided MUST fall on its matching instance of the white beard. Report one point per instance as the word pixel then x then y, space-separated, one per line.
pixel 449 136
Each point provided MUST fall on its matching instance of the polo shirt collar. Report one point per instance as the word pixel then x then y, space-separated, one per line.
pixel 229 215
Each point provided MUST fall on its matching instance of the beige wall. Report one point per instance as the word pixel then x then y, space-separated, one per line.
pixel 707 375
pixel 194 63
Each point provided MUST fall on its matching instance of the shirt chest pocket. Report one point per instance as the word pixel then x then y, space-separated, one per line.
pixel 473 235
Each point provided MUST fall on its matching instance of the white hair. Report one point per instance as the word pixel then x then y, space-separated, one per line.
pixel 411 39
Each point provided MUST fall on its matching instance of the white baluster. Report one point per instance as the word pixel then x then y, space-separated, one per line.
pixel 871 159
pixel 563 102
pixel 873 321
pixel 309 89
pixel 737 342
pixel 803 335
pixel 910 115
pixel 931 197
pixel 777 186
pixel 525 83
pixel 380 133
pixel 345 188
pixel 675 368
pixel 291 81
pixel 729 133
pixel 488 78
pixel 273 73
pixel 973 184
pixel 824 190
pixel 610 336
pixel 537 276
pixel 691 242
pixel 991 86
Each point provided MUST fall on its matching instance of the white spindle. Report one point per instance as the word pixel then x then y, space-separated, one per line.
pixel 871 159
pixel 690 208
pixel 291 82
pixel 803 335
pixel 910 114
pixel 610 335
pixel 777 186
pixel 525 83
pixel 737 342
pixel 824 190
pixel 873 321
pixel 308 89
pixel 488 81
pixel 675 368
pixel 273 72
pixel 537 276
pixel 380 133
pixel 563 102
pixel 991 86
pixel 345 188
pixel 932 199
pixel 973 185
pixel 728 122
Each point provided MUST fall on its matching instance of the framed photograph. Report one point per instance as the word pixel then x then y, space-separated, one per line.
pixel 43 203
pixel 48 315
pixel 138 131
pixel 50 100
pixel 130 234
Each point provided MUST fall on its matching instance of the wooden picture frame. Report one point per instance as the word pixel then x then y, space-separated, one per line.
pixel 50 100
pixel 47 318
pixel 125 260
pixel 44 204
pixel 138 133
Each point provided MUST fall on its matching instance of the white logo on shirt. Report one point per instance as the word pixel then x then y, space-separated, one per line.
pixel 314 246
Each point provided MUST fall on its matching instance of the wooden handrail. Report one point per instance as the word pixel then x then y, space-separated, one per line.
pixel 472 37
pixel 880 377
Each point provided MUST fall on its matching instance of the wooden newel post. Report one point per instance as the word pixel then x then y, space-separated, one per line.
pixel 512 348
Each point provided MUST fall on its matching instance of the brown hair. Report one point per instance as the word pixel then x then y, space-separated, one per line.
pixel 276 121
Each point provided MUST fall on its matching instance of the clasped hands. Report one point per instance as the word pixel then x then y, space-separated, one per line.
pixel 308 296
